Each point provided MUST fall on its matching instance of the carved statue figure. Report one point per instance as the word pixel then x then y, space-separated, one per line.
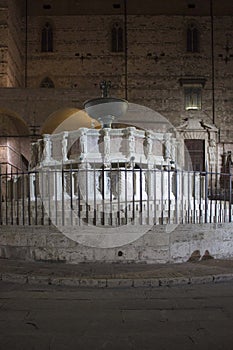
pixel 131 141
pixel 149 144
pixel 83 142
pixel 47 147
pixel 106 142
pixel 105 87
pixel 64 146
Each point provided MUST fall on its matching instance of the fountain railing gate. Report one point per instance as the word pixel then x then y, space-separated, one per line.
pixel 114 196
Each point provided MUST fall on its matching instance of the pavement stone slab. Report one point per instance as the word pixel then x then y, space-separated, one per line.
pixel 116 275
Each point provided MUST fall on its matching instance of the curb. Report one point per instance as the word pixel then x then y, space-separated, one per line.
pixel 113 282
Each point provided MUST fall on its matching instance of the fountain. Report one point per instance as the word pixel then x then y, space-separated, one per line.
pixel 105 170
pixel 106 109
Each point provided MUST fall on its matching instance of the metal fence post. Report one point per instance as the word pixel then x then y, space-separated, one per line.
pixel 230 193
pixel 198 197
pixel 0 194
pixel 206 195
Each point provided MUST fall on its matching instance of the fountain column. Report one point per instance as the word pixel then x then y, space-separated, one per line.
pixel 83 143
pixel 107 145
pixel 47 148
pixel 131 142
pixel 64 146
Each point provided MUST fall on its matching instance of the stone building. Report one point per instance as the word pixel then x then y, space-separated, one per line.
pixel 173 62
pixel 173 57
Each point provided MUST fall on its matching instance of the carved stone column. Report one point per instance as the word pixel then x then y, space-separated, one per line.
pixel 32 179
pixel 167 147
pixel 131 141
pixel 148 144
pixel 107 146
pixel 64 146
pixel 173 150
pixel 47 148
pixel 83 143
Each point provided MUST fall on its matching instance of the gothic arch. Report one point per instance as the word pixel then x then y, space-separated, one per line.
pixel 14 142
pixel 192 37
pixel 47 38
pixel 117 38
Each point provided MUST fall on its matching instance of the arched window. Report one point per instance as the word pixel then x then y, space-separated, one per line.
pixel 47 38
pixel 117 38
pixel 192 39
pixel 47 83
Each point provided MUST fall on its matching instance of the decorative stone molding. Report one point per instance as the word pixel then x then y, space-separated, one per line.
pixel 105 146
pixel 196 129
pixel 190 81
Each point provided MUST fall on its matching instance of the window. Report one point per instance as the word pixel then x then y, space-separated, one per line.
pixel 192 97
pixel 117 38
pixel 192 39
pixel 47 38
pixel 46 7
pixel 193 87
pixel 116 6
pixel 47 83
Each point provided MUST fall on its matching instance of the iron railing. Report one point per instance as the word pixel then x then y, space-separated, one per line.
pixel 114 196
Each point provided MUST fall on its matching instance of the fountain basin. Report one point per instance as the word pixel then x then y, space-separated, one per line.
pixel 106 109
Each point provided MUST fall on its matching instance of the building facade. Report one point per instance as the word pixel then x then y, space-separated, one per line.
pixel 175 58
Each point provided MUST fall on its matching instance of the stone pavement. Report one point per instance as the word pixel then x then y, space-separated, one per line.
pixel 117 274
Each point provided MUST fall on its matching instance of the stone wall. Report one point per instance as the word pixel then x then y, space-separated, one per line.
pixel 16 46
pixel 4 43
pixel 13 149
pixel 162 244
pixel 152 80
pixel 11 51
pixel 82 57
pixel 42 110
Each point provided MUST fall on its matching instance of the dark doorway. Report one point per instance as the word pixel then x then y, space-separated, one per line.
pixel 195 154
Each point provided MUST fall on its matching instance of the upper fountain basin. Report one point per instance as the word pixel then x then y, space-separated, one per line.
pixel 106 107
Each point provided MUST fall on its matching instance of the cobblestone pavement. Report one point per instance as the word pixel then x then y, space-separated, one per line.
pixel 116 275
pixel 186 317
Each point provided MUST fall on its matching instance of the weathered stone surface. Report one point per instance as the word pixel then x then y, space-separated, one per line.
pixel 178 246
pixel 119 283
pixel 59 240
pixel 36 240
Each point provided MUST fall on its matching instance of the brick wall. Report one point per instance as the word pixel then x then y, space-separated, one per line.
pixel 11 50
pixel 82 57
pixel 150 82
